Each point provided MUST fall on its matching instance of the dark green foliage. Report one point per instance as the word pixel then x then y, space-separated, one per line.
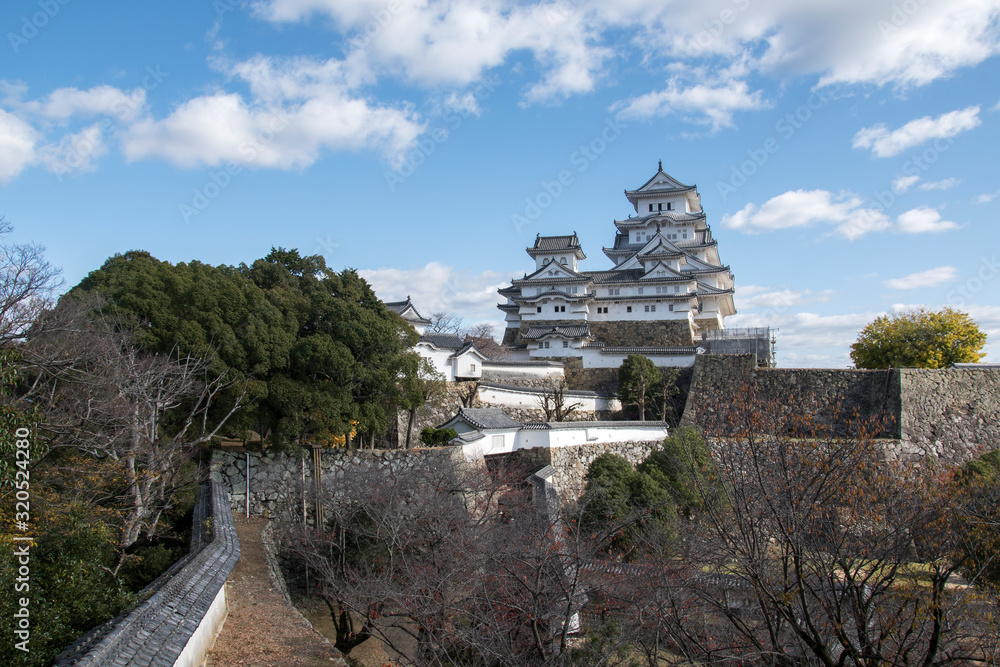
pixel 986 468
pixel 683 467
pixel 317 348
pixel 436 437
pixel 148 563
pixel 70 591
pixel 650 391
pixel 630 508
pixel 637 379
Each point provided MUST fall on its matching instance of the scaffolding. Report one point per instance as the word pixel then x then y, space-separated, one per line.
pixel 749 340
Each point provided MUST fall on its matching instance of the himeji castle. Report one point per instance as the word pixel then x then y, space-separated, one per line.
pixel 667 296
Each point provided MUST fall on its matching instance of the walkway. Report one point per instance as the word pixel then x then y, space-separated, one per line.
pixel 262 629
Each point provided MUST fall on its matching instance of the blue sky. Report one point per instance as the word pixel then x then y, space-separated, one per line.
pixel 844 152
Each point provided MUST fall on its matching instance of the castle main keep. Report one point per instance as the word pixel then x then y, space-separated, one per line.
pixel 666 297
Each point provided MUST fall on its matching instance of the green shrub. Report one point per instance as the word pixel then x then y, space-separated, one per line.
pixel 435 437
pixel 630 508
pixel 683 467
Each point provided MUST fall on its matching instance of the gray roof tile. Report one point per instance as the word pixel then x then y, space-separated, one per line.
pixel 488 418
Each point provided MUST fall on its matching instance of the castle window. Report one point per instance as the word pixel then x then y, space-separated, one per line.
pixel 472 368
pixel 539 309
pixel 677 288
pixel 670 206
pixel 614 292
pixel 659 207
pixel 562 260
pixel 546 261
pixel 651 308
pixel 628 309
pixel 650 208
pixel 640 290
pixel 565 343
pixel 670 308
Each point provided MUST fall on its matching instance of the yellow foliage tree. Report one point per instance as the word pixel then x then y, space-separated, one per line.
pixel 919 338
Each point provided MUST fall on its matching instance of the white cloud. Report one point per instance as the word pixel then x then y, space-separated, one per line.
pixel 465 104
pixel 17 146
pixel 923 220
pixel 299 108
pixel 845 42
pixel 988 319
pixel 779 300
pixel 454 42
pixel 712 104
pixel 439 288
pixel 904 183
pixel 986 198
pixel 808 339
pixel 64 103
pixel 750 290
pixel 800 208
pixel 929 278
pixel 945 184
pixel 887 144
pixel 75 152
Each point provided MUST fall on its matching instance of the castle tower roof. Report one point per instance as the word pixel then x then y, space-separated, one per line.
pixel 556 244
pixel 663 184
pixel 407 311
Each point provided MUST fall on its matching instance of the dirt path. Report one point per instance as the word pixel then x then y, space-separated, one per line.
pixel 262 629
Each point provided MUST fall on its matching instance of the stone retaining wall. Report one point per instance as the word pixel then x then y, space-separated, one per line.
pixel 660 333
pixel 280 482
pixel 952 414
pixel 604 380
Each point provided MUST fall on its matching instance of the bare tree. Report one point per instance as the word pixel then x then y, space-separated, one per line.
pixel 554 403
pixel 484 338
pixel 27 282
pixel 445 323
pixel 143 413
pixel 817 547
pixel 447 566
pixel 469 393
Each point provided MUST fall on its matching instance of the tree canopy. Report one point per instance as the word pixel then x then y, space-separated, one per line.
pixel 318 347
pixel 637 377
pixel 919 339
pixel 647 387
pixel 633 505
